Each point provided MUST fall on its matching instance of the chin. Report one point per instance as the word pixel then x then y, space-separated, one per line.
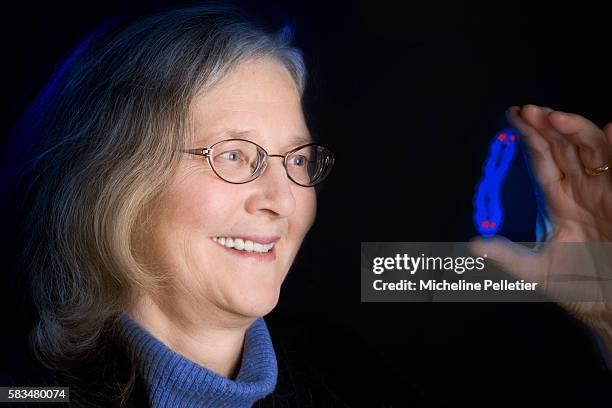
pixel 255 303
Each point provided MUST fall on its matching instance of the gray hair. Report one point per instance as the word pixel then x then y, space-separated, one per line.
pixel 105 134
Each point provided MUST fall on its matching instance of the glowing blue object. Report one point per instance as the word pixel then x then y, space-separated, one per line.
pixel 488 210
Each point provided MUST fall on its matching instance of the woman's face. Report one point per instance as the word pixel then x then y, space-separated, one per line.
pixel 260 99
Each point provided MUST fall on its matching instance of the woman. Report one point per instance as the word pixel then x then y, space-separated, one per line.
pixel 154 242
pixel 170 190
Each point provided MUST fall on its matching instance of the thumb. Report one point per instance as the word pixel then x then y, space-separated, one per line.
pixel 516 259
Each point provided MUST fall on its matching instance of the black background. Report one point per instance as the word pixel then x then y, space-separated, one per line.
pixel 408 94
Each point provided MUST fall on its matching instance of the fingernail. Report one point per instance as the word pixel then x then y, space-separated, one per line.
pixel 537 108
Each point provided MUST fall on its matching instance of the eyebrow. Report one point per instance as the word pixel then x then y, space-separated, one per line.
pixel 294 141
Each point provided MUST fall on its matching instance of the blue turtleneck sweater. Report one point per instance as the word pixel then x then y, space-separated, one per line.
pixel 174 381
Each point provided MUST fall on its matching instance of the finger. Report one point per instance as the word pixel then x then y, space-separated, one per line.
pixel 518 260
pixel 591 140
pixel 542 162
pixel 564 152
pixel 608 133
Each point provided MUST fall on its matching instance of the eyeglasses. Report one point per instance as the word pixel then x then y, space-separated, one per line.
pixel 239 161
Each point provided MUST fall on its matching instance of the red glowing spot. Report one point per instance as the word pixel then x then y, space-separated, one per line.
pixel 492 225
pixel 512 137
pixel 485 223
pixel 501 137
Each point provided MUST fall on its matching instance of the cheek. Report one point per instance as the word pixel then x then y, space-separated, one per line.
pixel 198 206
pixel 188 214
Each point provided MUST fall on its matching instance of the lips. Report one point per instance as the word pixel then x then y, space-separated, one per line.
pixel 260 256
pixel 260 239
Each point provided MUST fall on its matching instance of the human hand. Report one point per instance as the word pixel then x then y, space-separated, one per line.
pixel 562 148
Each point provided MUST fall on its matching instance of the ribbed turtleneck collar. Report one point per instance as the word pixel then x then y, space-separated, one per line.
pixel 174 381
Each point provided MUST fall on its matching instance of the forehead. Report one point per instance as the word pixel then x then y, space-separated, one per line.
pixel 258 98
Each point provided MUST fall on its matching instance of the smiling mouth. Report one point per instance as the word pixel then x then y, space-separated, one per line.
pixel 241 244
pixel 247 248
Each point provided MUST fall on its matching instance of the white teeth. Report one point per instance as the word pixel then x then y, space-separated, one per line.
pixel 238 243
pixel 243 245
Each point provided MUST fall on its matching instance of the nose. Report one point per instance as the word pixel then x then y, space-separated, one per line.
pixel 273 191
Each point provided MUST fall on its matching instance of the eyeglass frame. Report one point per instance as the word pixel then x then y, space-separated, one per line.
pixel 207 153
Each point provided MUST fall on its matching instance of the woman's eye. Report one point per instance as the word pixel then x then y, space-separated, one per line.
pixel 232 156
pixel 298 161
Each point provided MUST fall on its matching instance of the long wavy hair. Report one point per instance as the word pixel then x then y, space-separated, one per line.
pixel 104 135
